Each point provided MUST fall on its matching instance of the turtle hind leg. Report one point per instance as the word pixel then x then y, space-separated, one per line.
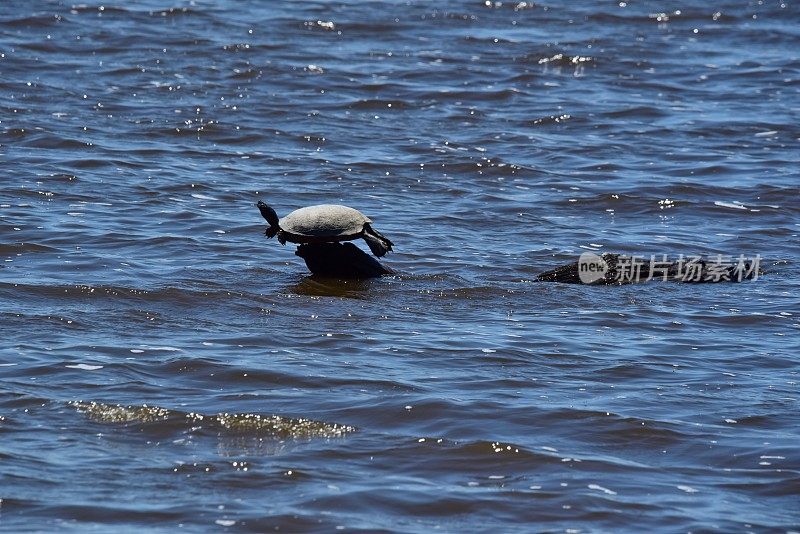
pixel 378 243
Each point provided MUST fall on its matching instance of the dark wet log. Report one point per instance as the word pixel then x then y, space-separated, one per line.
pixel 340 260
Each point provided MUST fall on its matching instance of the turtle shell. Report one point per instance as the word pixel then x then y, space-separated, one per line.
pixel 325 221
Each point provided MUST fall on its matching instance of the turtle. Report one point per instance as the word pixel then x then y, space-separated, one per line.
pixel 324 223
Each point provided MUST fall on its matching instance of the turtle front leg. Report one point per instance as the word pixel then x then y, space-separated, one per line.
pixel 377 242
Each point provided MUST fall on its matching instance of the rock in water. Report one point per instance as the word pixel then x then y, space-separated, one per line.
pixel 340 260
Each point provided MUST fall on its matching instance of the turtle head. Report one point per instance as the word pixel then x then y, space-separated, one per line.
pixel 271 217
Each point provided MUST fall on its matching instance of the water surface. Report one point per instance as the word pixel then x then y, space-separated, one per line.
pixel 165 365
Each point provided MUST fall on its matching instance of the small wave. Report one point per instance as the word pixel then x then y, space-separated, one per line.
pixel 379 104
pixel 634 112
pixel 16 132
pixel 565 60
pixel 246 74
pixel 33 21
pixel 551 119
pixel 20 248
pixel 53 142
pixel 83 291
pixel 174 12
pixel 96 8
pixel 513 6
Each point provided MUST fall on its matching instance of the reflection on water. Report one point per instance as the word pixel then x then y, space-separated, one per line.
pixel 321 286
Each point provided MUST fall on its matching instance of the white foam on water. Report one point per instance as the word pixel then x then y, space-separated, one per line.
pixel 85 366
pixel 601 488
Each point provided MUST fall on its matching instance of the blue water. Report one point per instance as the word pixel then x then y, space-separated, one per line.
pixel 140 301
